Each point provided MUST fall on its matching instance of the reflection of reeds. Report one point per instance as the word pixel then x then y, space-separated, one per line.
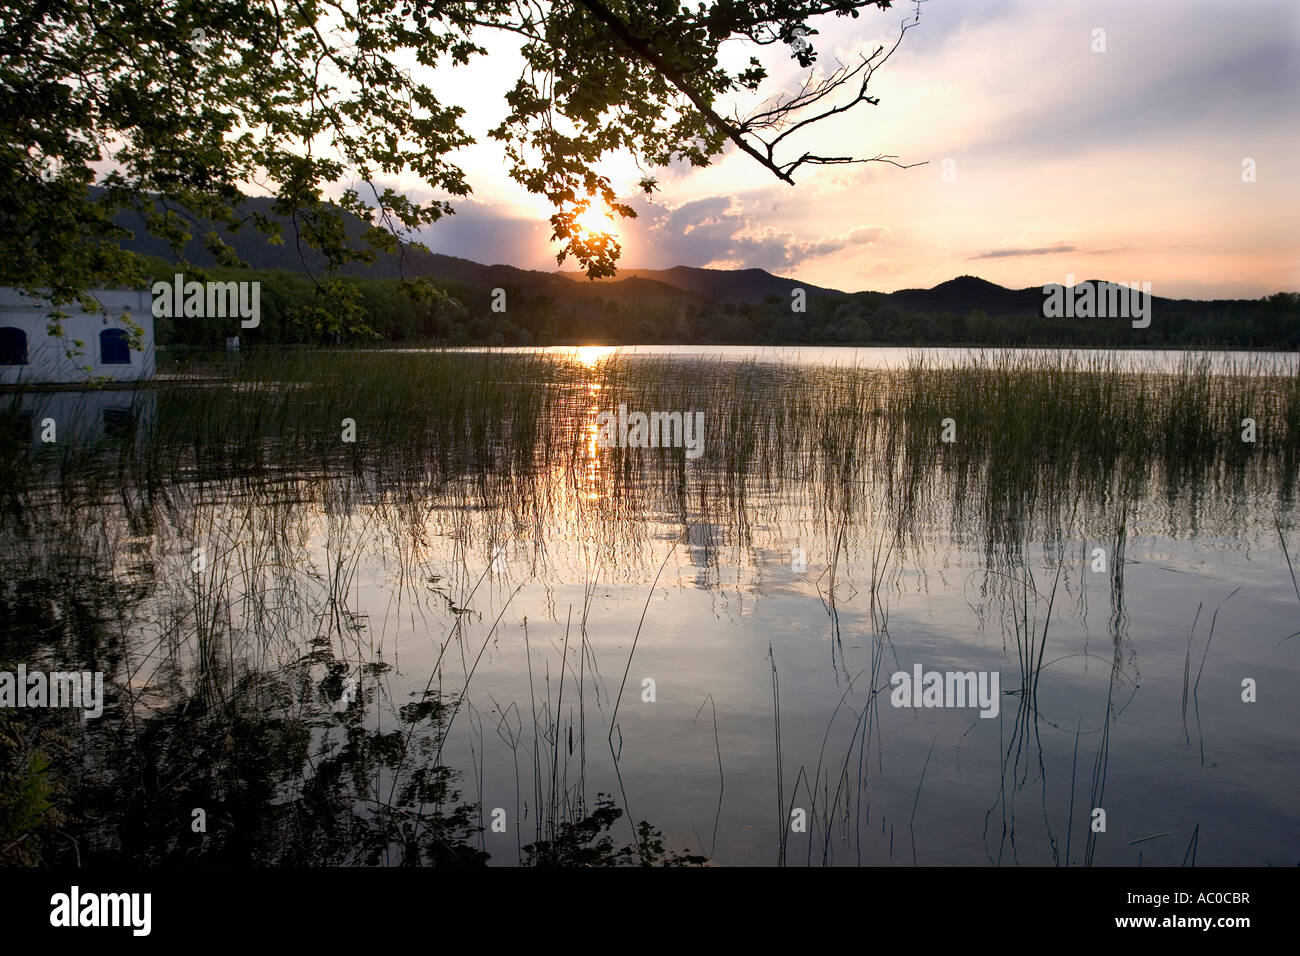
pixel 782 814
pixel 1196 703
pixel 485 450
pixel 1291 570
pixel 1038 437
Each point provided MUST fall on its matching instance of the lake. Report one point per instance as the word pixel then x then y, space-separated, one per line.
pixel 465 607
pixel 894 357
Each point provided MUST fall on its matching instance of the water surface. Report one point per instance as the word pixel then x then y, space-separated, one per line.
pixel 474 613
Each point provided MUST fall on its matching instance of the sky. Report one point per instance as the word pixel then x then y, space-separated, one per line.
pixel 1044 156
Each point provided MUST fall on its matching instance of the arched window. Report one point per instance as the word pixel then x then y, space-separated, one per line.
pixel 13 346
pixel 114 348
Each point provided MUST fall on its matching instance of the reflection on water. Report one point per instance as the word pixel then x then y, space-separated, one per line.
pixel 893 357
pixel 474 635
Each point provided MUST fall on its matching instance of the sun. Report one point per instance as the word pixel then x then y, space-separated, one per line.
pixel 597 220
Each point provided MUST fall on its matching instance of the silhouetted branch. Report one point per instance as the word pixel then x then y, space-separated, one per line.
pixel 779 116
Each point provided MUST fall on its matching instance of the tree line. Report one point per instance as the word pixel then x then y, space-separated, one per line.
pixel 447 312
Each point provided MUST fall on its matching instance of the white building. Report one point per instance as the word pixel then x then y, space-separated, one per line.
pixel 30 355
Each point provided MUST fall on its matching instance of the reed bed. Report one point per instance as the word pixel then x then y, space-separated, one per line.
pixel 495 453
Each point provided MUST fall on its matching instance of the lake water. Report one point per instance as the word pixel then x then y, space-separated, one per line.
pixel 894 357
pixel 477 615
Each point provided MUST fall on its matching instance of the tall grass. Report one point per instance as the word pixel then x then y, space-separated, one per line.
pixel 463 453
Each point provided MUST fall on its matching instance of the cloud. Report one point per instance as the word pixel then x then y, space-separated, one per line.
pixel 492 233
pixel 1134 153
pixel 1187 73
pixel 718 232
pixel 1010 253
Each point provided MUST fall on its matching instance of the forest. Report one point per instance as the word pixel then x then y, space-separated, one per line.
pixel 447 312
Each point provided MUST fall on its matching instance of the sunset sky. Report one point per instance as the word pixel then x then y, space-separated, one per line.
pixel 1123 165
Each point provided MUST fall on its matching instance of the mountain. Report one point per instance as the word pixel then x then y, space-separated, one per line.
pixel 965 293
pixel 680 285
pixel 719 285
pixel 253 247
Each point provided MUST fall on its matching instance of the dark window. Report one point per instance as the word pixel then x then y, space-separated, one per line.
pixel 13 346
pixel 118 423
pixel 114 349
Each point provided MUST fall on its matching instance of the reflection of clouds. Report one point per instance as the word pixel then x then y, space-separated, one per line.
pixel 328 573
pixel 704 540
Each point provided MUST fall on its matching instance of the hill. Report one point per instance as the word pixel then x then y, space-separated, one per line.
pixel 719 285
pixel 687 304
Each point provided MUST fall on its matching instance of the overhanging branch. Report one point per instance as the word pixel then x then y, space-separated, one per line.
pixel 776 117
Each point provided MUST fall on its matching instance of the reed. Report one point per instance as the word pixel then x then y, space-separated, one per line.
pixel 493 450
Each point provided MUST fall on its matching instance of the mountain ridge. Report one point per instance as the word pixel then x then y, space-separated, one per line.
pixel 682 283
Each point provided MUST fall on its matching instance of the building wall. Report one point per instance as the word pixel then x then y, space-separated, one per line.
pixel 47 362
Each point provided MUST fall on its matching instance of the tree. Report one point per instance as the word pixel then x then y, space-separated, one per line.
pixel 176 107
